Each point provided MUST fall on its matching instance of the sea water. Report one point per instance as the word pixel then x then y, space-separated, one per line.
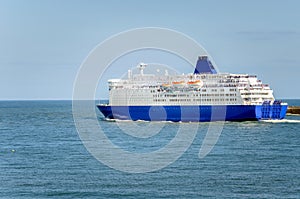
pixel 42 156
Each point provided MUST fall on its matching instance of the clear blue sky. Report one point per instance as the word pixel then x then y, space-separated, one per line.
pixel 43 43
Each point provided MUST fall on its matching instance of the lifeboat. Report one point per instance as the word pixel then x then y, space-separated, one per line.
pixel 195 83
pixel 178 83
pixel 166 85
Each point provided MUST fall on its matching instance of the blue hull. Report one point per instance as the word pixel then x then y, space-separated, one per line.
pixel 194 113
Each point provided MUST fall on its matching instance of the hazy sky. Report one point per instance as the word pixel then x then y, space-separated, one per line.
pixel 43 43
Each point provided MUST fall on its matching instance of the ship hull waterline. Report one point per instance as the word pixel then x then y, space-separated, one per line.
pixel 194 113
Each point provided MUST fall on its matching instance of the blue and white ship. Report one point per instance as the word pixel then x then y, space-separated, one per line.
pixel 202 96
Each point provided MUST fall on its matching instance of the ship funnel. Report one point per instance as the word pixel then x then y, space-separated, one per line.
pixel 204 66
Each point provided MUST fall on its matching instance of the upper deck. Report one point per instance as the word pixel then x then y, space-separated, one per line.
pixel 189 89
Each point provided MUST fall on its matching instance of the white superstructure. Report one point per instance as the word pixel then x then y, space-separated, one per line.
pixel 190 89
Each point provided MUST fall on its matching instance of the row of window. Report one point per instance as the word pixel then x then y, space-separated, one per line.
pixel 204 90
pixel 254 98
pixel 197 95
pixel 214 95
pixel 221 90
pixel 179 100
pixel 172 95
pixel 216 100
pixel 159 100
pixel 197 100
pixel 254 93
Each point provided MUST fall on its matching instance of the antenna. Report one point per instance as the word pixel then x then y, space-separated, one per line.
pixel 166 73
pixel 141 67
pixel 129 74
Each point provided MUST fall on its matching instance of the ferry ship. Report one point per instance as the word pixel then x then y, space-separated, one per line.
pixel 202 96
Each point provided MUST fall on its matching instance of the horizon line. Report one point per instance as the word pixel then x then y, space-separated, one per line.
pixel 64 99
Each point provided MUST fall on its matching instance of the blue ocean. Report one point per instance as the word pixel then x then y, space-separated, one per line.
pixel 42 156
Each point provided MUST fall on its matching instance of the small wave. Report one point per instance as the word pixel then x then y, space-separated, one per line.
pixel 124 121
pixel 281 121
pixel 293 114
pixel 108 120
pixel 142 121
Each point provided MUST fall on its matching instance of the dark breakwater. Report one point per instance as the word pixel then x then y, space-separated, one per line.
pixel 293 110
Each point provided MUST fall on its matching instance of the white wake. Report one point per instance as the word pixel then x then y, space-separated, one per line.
pixel 281 121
